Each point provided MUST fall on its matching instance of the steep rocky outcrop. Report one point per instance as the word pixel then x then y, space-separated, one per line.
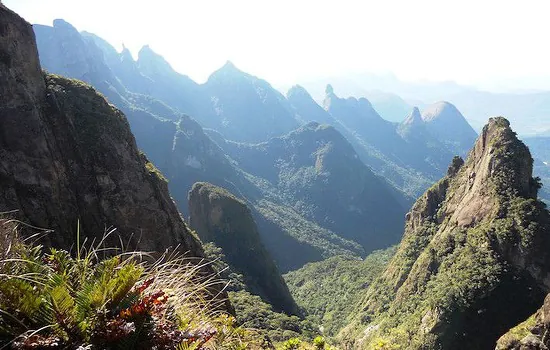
pixel 445 122
pixel 474 258
pixel 66 155
pixel 413 125
pixel 225 220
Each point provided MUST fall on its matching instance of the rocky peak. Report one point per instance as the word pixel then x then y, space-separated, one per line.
pixel 63 50
pixel 306 109
pixel 229 66
pixel 220 217
pixel 153 64
pixel 441 109
pixel 499 149
pixel 476 240
pixel 68 156
pixel 445 122
pixel 247 108
pixel 22 82
pixel 414 117
pixel 297 92
pixel 126 55
pixel 229 73
pixel 61 24
pixel 413 128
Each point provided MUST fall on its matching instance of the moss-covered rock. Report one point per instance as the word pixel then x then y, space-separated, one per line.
pixel 220 217
pixel 474 258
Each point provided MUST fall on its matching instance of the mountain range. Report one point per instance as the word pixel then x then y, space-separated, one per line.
pixel 291 196
pixel 298 214
pixel 528 111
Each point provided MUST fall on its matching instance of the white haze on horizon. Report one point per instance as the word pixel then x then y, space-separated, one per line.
pixel 496 45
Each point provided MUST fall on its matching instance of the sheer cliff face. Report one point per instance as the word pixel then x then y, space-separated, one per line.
pixel 474 257
pixel 220 217
pixel 68 155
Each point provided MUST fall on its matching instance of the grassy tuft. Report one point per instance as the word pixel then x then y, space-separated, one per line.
pixel 108 298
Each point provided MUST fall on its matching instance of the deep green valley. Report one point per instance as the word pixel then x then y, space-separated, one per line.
pixel 140 209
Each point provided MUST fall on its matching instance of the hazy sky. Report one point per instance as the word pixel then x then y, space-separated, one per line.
pixel 470 41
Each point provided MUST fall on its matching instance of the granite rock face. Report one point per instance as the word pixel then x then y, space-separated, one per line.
pixel 67 155
pixel 474 257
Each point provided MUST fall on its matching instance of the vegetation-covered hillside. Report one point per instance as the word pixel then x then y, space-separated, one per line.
pixel 474 258
pixel 316 169
pixel 95 253
pixel 329 291
pixel 223 219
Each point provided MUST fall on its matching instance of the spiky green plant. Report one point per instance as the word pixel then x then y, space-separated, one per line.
pixel 106 298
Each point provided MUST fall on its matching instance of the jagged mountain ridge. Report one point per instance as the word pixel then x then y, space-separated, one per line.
pixel 316 164
pixel 359 115
pixel 185 155
pixel 245 108
pixel 476 240
pixel 68 156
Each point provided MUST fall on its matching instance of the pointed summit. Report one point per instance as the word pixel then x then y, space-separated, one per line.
pixel 247 108
pixel 445 122
pixel 441 110
pixel 474 259
pixel 229 70
pixel 146 54
pixel 229 66
pixel 330 98
pixel 126 55
pixel 297 91
pixel 62 24
pixel 152 64
pixel 413 127
pixel 414 117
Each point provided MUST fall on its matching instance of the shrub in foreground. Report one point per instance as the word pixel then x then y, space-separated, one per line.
pixel 102 298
